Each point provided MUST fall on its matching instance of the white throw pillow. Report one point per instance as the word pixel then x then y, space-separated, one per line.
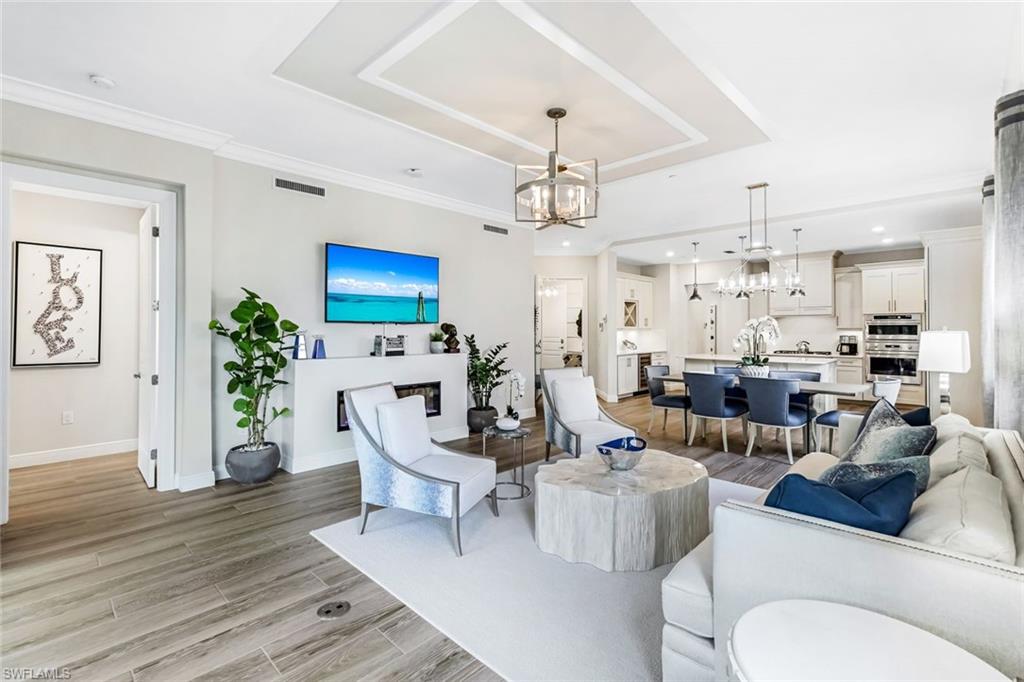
pixel 404 433
pixel 949 425
pixel 576 400
pixel 955 453
pixel 964 512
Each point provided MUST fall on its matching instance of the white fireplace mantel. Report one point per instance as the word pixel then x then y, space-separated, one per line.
pixel 310 438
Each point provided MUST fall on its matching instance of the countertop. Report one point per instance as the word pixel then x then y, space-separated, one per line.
pixel 787 359
pixel 640 351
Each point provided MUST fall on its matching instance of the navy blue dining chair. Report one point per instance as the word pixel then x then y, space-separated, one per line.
pixel 734 391
pixel 770 404
pixel 666 402
pixel 800 398
pixel 708 401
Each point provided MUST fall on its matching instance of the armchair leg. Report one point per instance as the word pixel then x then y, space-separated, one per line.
pixel 456 535
pixel 366 509
pixel 494 500
pixel 547 452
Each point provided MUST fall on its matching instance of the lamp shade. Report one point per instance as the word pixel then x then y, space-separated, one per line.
pixel 944 351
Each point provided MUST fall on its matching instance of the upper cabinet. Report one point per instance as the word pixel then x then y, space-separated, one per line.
pixel 849 310
pixel 635 301
pixel 890 288
pixel 819 288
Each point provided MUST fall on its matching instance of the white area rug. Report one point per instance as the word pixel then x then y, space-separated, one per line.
pixel 525 614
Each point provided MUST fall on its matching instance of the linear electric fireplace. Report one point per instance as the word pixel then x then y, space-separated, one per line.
pixel 431 392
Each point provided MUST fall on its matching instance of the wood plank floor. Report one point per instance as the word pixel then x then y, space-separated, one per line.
pixel 111 580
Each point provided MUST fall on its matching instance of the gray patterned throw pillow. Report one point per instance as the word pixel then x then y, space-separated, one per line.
pixel 848 472
pixel 886 436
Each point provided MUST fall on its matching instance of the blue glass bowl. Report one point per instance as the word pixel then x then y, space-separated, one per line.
pixel 622 454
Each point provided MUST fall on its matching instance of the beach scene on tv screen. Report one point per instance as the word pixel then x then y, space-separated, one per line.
pixel 364 285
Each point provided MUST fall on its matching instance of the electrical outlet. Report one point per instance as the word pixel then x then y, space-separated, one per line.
pixel 67 417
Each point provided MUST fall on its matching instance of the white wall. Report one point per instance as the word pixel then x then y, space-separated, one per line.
pixel 579 266
pixel 954 301
pixel 49 137
pixel 104 397
pixel 272 241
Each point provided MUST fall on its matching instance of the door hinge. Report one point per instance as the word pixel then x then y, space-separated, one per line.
pixel 156 231
pixel 154 380
pixel 156 306
pixel 152 454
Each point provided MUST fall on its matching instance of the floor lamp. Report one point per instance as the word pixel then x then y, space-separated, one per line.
pixel 944 351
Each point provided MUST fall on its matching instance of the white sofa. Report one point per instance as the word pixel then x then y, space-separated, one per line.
pixel 758 554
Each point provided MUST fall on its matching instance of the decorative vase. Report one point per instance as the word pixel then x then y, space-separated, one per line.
pixel 479 418
pixel 754 371
pixel 437 347
pixel 507 423
pixel 253 466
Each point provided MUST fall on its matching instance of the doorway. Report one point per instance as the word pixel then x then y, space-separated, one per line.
pixel 560 324
pixel 88 319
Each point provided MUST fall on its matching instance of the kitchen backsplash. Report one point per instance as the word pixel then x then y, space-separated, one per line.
pixel 646 340
pixel 819 330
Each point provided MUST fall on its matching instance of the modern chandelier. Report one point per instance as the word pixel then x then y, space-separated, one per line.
pixel 558 193
pixel 740 284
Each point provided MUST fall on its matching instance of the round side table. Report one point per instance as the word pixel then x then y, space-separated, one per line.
pixel 805 639
pixel 518 438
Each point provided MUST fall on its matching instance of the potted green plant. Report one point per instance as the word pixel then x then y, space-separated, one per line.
pixel 259 342
pixel 436 342
pixel 484 372
pixel 754 338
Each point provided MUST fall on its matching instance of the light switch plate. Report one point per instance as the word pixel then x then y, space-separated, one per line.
pixel 67 417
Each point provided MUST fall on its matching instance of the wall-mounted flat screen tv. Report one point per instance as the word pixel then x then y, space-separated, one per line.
pixel 370 285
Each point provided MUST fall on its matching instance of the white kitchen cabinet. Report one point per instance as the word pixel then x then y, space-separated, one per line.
pixel 893 288
pixel 819 287
pixel 848 293
pixel 635 302
pixel 850 371
pixel 629 377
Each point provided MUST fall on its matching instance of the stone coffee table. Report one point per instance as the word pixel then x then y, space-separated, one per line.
pixel 621 520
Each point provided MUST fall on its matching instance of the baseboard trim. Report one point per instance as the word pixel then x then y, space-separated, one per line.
pixel 114 447
pixel 329 458
pixel 205 479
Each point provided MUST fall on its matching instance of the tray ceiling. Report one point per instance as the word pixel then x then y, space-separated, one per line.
pixel 482 74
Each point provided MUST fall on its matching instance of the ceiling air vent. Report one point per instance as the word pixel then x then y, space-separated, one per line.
pixel 495 229
pixel 281 183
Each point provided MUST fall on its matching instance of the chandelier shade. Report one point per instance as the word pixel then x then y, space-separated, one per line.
pixel 557 193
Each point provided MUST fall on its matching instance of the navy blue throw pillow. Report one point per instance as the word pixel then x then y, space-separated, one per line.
pixel 881 505
pixel 922 416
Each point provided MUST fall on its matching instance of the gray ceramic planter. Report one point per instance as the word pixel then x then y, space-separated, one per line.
pixel 480 418
pixel 253 466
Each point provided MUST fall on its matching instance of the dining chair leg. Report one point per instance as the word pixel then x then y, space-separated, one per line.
pixel 725 437
pixel 750 439
pixel 664 420
pixel 744 421
pixel 650 424
pixel 693 432
pixel 789 444
pixel 686 428
pixel 760 437
pixel 831 433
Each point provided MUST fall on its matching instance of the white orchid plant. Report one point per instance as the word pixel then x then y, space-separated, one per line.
pixel 516 391
pixel 758 332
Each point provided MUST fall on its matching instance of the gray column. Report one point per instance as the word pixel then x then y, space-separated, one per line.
pixel 1009 262
pixel 988 288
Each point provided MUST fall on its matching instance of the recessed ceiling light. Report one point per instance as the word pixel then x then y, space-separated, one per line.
pixel 878 229
pixel 669 254
pixel 565 243
pixel 888 240
pixel 414 172
pixel 102 81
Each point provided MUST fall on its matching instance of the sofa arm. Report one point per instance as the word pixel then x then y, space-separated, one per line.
pixel 763 554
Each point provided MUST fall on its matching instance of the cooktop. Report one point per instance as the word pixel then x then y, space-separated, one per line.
pixel 796 352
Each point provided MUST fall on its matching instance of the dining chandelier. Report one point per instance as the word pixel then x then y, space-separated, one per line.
pixel 557 193
pixel 741 284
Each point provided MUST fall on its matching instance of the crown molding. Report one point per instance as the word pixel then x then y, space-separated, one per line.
pixel 80 106
pixel 953 234
pixel 308 169
pixel 222 145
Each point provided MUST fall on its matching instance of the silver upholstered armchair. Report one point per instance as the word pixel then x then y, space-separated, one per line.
pixel 573 419
pixel 401 466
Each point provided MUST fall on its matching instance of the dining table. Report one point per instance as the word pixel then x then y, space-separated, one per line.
pixel 809 388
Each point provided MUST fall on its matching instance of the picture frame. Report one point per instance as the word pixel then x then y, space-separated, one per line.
pixel 58 305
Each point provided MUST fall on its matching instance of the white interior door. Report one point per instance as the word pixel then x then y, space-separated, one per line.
pixel 553 321
pixel 149 338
